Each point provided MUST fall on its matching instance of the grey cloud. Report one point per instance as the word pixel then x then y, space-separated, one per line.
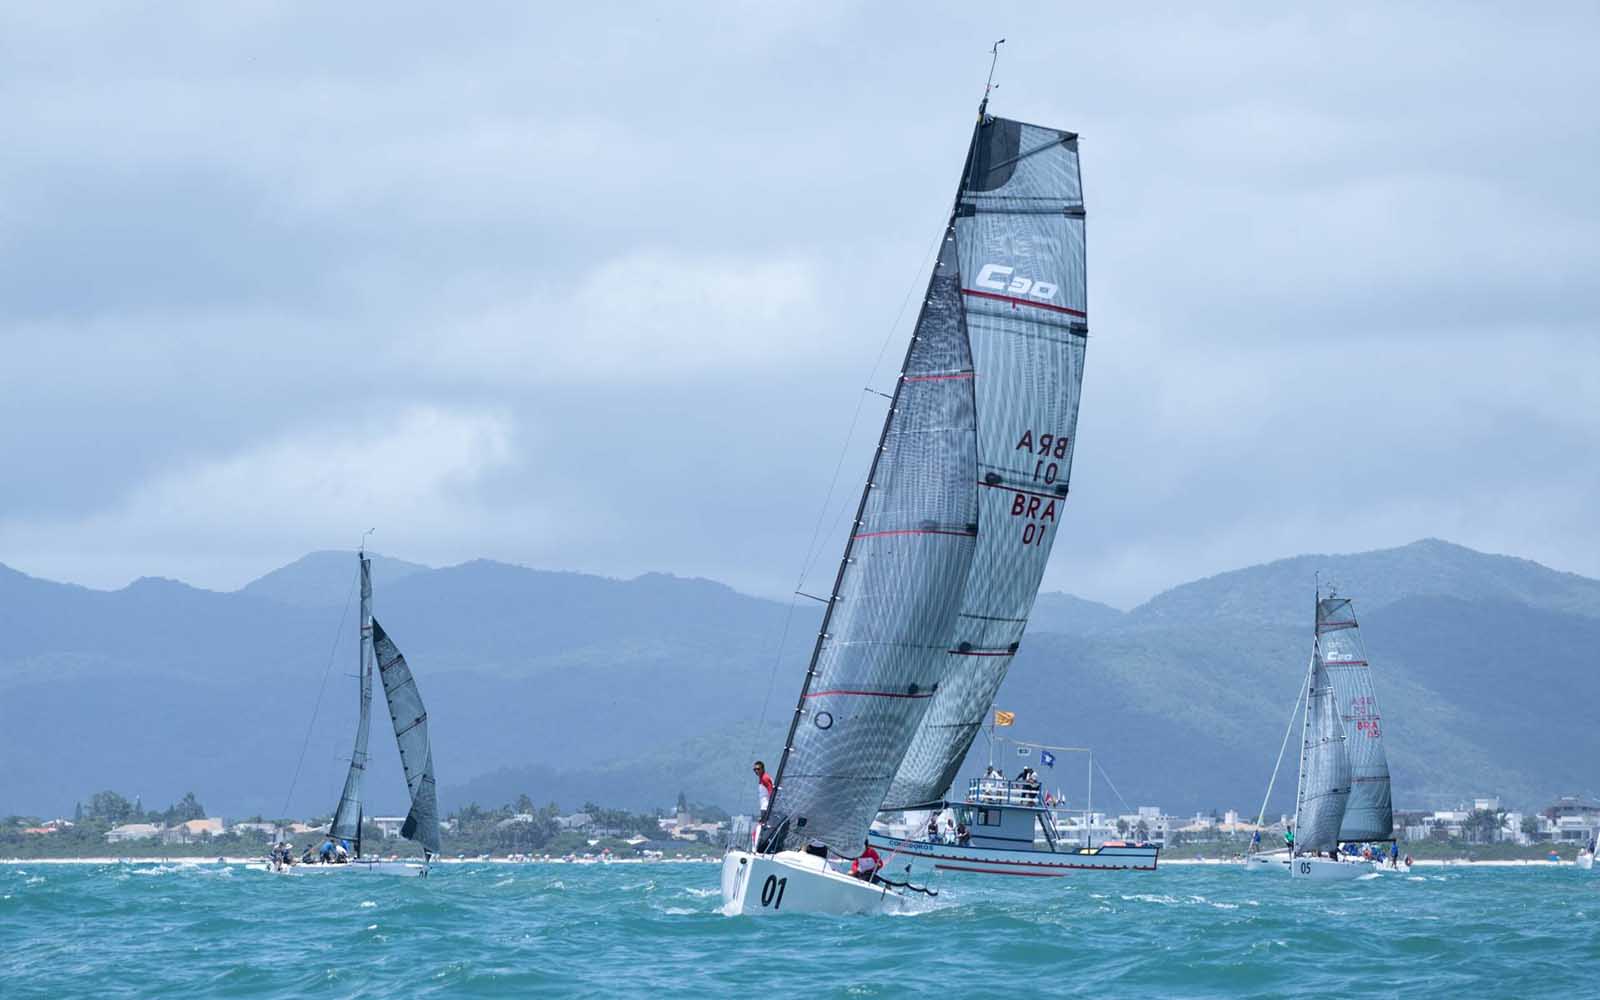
pixel 253 225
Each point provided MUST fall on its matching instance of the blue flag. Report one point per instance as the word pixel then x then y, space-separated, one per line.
pixel 1047 758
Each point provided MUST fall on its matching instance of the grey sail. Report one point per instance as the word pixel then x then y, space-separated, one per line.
pixel 347 816
pixel 1369 815
pixel 881 652
pixel 410 720
pixel 1324 766
pixel 1019 236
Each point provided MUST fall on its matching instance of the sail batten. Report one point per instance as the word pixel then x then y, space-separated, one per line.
pixel 410 720
pixel 347 815
pixel 1369 814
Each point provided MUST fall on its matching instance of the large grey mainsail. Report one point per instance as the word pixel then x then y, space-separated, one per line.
pixel 1324 766
pixel 410 720
pixel 1369 815
pixel 347 816
pixel 1019 234
pixel 880 655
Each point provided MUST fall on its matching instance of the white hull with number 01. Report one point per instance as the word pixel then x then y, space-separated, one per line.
pixel 792 881
pixel 1325 870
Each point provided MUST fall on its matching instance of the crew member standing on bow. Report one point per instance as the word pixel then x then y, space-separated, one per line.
pixel 765 781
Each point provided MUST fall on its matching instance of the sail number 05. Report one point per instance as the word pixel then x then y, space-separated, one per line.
pixel 772 891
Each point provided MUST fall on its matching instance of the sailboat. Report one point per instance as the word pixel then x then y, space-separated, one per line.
pixel 1343 794
pixel 410 720
pixel 955 523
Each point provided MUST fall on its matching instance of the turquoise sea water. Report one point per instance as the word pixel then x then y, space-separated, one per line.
pixel 147 930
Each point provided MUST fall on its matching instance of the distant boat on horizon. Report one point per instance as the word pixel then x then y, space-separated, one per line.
pixel 410 720
pixel 1343 791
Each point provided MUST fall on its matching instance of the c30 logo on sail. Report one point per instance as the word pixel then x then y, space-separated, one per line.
pixel 1000 278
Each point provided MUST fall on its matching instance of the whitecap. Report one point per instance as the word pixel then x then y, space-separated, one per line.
pixel 367 904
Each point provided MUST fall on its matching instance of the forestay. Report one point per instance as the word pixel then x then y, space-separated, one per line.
pixel 347 816
pixel 880 655
pixel 1369 814
pixel 1019 237
pixel 1324 766
pixel 410 720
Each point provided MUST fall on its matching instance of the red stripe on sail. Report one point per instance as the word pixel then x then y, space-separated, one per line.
pixel 873 694
pixel 1024 302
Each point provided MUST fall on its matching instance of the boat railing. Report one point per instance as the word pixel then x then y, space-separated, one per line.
pixel 1004 792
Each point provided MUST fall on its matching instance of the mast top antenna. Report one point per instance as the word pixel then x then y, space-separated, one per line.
pixel 989 84
pixel 362 548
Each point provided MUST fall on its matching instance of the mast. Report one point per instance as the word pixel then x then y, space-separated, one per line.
pixel 347 814
pixel 1305 749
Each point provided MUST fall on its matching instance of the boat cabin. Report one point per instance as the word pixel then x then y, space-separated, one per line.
pixel 1003 815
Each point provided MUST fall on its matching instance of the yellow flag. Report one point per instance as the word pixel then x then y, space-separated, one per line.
pixel 1004 718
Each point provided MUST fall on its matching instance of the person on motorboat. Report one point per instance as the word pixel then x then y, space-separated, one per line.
pixel 866 866
pixel 963 835
pixel 933 828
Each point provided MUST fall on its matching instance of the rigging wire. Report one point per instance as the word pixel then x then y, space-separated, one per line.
pixel 317 705
pixel 1262 816
pixel 813 551
pixel 1113 787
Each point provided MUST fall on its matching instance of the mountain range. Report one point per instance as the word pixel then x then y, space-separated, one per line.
pixel 573 688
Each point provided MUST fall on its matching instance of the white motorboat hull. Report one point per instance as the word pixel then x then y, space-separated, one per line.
pixel 1276 861
pixel 1325 870
pixel 901 858
pixel 403 869
pixel 795 882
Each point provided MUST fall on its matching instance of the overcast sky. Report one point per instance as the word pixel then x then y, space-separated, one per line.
pixel 599 288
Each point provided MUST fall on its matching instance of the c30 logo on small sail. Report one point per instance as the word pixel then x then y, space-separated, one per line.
pixel 1000 278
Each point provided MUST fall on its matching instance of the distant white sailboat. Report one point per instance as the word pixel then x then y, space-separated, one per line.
pixel 410 720
pixel 950 538
pixel 1343 794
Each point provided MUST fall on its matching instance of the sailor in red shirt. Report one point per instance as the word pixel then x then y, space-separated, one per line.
pixel 868 865
pixel 766 786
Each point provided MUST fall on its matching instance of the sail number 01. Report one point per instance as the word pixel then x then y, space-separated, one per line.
pixel 772 891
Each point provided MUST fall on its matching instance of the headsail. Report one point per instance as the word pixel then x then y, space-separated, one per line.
pixel 1369 815
pixel 880 656
pixel 1019 234
pixel 410 720
pixel 1324 766
pixel 347 816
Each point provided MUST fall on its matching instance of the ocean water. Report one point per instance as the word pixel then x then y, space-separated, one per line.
pixel 468 930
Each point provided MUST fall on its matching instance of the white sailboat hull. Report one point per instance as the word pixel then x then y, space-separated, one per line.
pixel 901 858
pixel 403 869
pixel 795 882
pixel 1585 860
pixel 1274 861
pixel 1324 870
